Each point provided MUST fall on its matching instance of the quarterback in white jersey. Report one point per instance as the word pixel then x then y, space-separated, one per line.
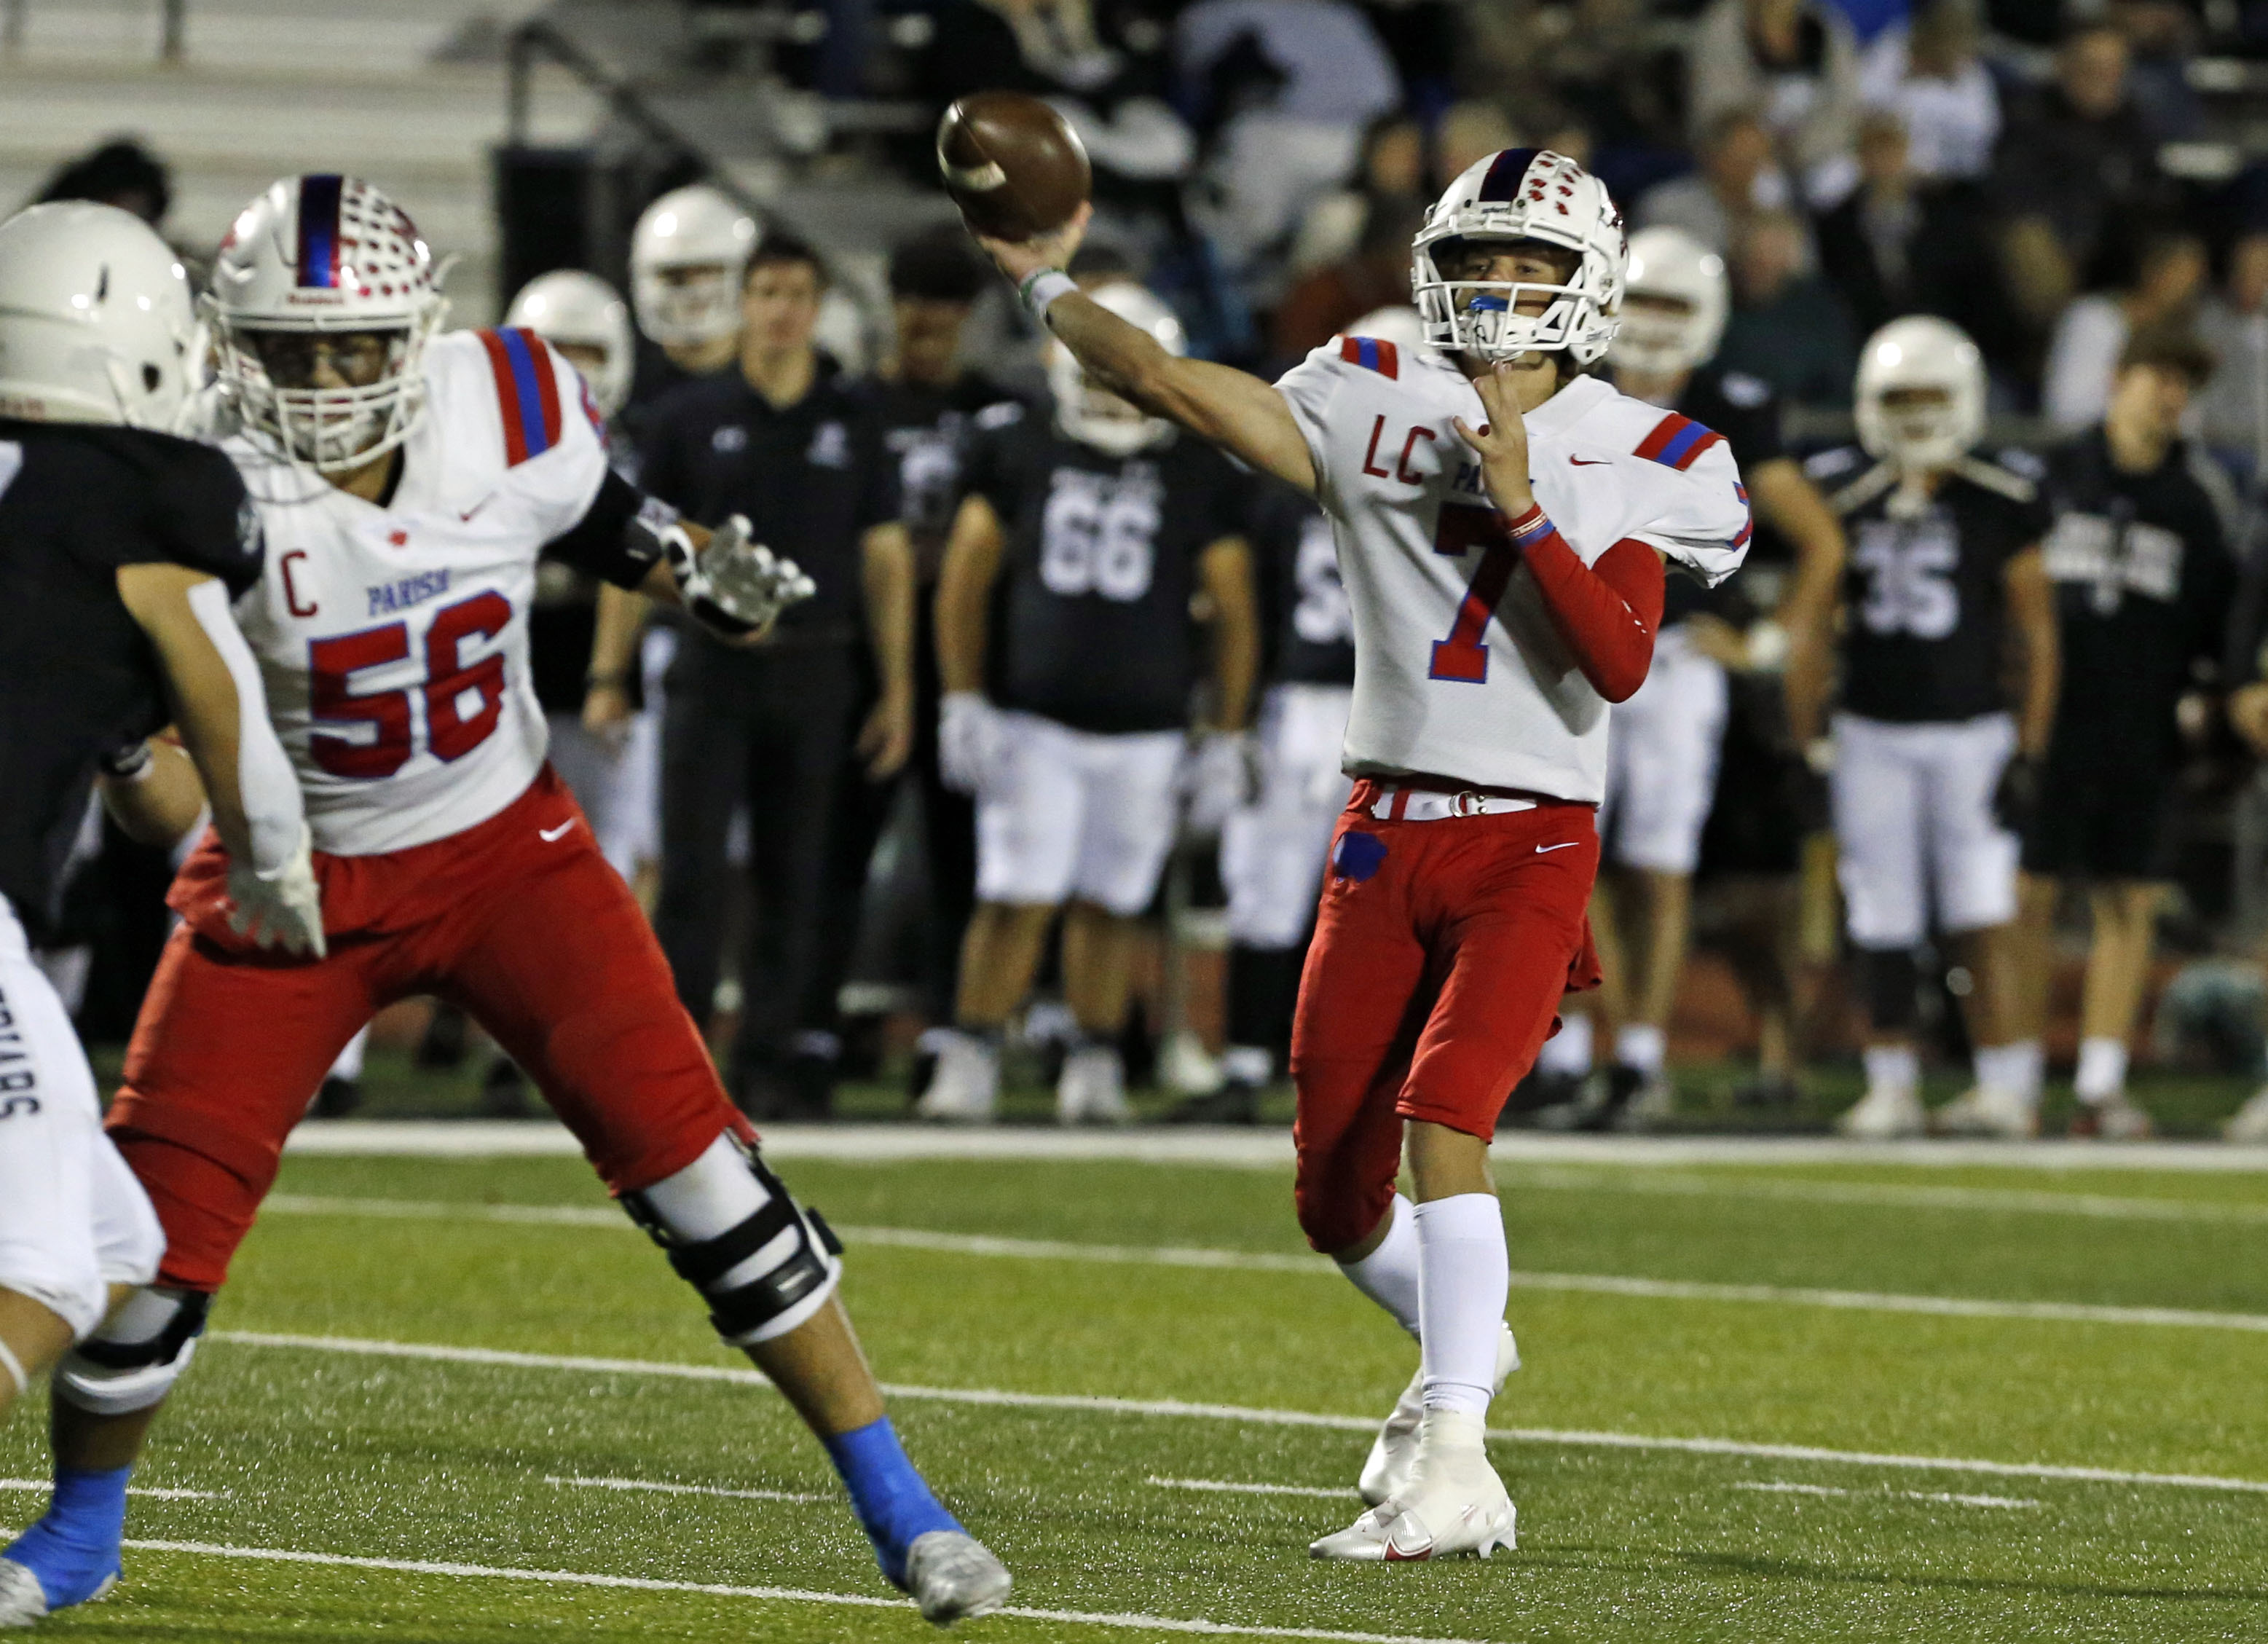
pixel 407 483
pixel 1502 522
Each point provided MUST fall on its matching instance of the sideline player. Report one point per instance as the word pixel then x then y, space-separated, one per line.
pixel 2144 583
pixel 1067 699
pixel 407 484
pixel 688 259
pixel 1662 756
pixel 1502 521
pixel 119 548
pixel 1944 572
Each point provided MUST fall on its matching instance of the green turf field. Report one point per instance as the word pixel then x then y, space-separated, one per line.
pixel 2092 1343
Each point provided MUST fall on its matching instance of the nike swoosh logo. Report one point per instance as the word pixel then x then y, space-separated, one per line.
pixel 1545 850
pixel 549 834
pixel 477 507
pixel 1589 462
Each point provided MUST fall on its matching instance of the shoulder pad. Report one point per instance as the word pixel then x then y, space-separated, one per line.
pixel 527 392
pixel 1005 414
pixel 1744 390
pixel 2024 464
pixel 1827 465
pixel 1371 353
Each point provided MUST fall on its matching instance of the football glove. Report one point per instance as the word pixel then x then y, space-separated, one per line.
pixel 1221 775
pixel 283 908
pixel 968 740
pixel 735 586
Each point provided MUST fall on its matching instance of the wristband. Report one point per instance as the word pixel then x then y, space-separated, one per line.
pixel 1041 287
pixel 1530 529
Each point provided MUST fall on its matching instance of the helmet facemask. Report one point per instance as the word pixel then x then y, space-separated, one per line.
pixel 1499 320
pixel 1090 413
pixel 684 304
pixel 333 398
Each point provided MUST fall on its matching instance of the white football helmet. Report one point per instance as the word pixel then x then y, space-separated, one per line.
pixel 1522 194
pixel 578 310
pixel 1670 266
pixel 1092 415
pixel 96 321
pixel 321 256
pixel 1920 351
pixel 699 229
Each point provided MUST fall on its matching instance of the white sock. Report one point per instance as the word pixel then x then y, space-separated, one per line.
pixel 1641 1047
pixel 2011 1071
pixel 349 1067
pixel 1466 1276
pixel 1892 1067
pixel 1388 1274
pixel 2101 1070
pixel 1567 1052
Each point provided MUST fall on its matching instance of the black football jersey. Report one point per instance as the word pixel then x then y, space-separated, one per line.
pixel 1305 601
pixel 77 677
pixel 1745 411
pixel 2144 583
pixel 1091 623
pixel 926 431
pixel 1924 598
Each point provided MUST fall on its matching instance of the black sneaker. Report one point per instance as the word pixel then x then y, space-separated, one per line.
pixel 1541 1093
pixel 1235 1102
pixel 336 1099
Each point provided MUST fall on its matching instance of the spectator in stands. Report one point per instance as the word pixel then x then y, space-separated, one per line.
pixel 2232 409
pixel 2091 334
pixel 1391 176
pixel 1900 244
pixel 1607 70
pixel 1737 176
pixel 1794 62
pixel 1787 326
pixel 1327 299
pixel 2075 159
pixel 784 440
pixel 120 172
pixel 1470 131
pixel 1928 72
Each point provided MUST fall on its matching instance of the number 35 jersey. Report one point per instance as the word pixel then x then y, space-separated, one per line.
pixel 1091 623
pixel 392 640
pixel 1459 670
pixel 1925 593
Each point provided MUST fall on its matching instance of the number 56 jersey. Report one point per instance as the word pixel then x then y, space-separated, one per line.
pixel 1459 670
pixel 392 640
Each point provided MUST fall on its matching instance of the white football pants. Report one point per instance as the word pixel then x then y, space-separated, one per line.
pixel 1914 826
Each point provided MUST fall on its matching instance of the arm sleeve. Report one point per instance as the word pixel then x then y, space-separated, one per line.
pixel 1607 613
pixel 613 540
pixel 200 517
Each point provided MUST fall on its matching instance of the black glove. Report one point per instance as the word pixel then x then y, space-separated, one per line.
pixel 2016 801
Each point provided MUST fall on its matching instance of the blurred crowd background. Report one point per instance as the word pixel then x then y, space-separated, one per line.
pixel 2058 178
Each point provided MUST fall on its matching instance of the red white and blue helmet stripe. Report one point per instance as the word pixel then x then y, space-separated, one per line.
pixel 319 229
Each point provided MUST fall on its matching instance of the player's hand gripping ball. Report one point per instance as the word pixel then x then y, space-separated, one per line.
pixel 1011 165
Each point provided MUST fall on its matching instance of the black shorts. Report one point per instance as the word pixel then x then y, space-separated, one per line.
pixel 2100 817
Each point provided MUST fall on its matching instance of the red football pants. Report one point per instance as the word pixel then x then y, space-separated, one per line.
pixel 518 920
pixel 1441 951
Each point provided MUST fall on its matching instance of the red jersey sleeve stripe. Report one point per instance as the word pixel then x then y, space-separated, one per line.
pixel 527 392
pixel 1372 354
pixel 1692 453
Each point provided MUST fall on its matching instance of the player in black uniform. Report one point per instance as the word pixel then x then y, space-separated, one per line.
pixel 1944 572
pixel 120 550
pixel 1716 652
pixel 1070 654
pixel 2144 581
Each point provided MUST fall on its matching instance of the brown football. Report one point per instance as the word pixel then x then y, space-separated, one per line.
pixel 1011 164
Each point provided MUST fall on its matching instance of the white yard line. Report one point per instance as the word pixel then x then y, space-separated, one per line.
pixel 681 1489
pixel 1227 1487
pixel 1780 1486
pixel 993 1246
pixel 1238 1148
pixel 2027 1201
pixel 152 1492
pixel 1246 1414
pixel 781 1595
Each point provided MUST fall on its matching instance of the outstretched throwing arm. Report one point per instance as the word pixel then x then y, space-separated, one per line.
pixel 1233 409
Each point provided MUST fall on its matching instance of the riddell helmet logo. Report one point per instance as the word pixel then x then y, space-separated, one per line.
pixel 319 298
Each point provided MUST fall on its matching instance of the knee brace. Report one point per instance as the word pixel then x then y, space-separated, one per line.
pixel 762 1263
pixel 134 1357
pixel 1892 977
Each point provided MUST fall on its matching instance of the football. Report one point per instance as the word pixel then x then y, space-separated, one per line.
pixel 1011 164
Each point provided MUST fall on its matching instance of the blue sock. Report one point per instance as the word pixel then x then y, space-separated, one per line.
pixel 891 1498
pixel 74 1548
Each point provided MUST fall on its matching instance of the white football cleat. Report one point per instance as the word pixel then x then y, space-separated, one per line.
pixel 965 1088
pixel 1980 1111
pixel 1394 1452
pixel 1455 1507
pixel 954 1577
pixel 2248 1122
pixel 1885 1113
pixel 22 1599
pixel 2115 1118
pixel 1091 1088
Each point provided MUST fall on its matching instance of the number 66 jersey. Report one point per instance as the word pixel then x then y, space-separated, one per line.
pixel 1459 670
pixel 394 639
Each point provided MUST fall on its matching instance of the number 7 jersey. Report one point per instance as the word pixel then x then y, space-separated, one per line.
pixel 392 640
pixel 1459 671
